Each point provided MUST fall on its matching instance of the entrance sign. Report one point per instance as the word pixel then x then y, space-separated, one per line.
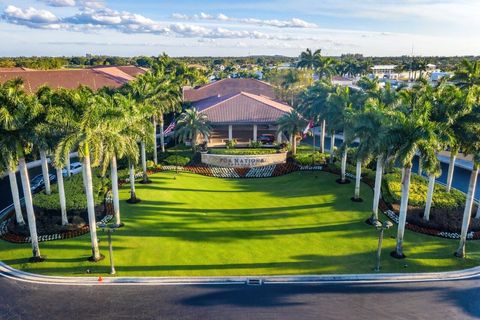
pixel 243 161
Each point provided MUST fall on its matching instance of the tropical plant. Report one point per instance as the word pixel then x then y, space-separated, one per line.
pixel 86 140
pixel 190 125
pixel 293 123
pixel 19 114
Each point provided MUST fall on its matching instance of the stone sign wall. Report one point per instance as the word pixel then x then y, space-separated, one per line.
pixel 243 161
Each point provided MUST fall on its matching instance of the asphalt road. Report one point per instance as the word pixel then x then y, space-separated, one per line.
pixel 430 300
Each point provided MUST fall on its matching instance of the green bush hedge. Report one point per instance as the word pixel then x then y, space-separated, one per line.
pixel 74 193
pixel 306 159
pixel 179 160
pixel 418 192
pixel 243 151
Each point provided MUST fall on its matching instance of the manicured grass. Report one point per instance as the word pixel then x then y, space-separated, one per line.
pixel 301 223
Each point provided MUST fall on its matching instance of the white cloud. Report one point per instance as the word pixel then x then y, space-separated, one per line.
pixel 60 3
pixel 30 17
pixel 291 23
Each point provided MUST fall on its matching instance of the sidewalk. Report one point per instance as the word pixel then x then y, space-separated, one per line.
pixel 18 275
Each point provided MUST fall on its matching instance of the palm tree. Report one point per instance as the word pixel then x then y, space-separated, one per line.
pixel 470 144
pixel 89 145
pixel 468 75
pixel 313 104
pixel 293 123
pixel 19 114
pixel 412 131
pixel 309 60
pixel 340 102
pixel 190 124
pixel 8 164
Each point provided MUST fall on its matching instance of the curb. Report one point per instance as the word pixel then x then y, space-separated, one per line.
pixel 17 275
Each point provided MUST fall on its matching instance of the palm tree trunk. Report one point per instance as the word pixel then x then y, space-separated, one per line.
pixel 294 143
pixel 144 161
pixel 22 166
pixel 322 137
pixel 451 168
pixel 154 122
pixel 91 208
pixel 377 189
pixel 16 197
pixel 67 165
pixel 428 204
pixel 115 195
pixel 344 165
pixel 61 195
pixel 133 196
pixel 467 213
pixel 332 146
pixel 402 218
pixel 420 169
pixel 358 173
pixel 46 177
pixel 162 134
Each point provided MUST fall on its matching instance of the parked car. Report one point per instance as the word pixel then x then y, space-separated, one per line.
pixel 75 167
pixel 37 183
pixel 266 138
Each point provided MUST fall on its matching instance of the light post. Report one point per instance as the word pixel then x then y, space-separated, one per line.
pixel 382 227
pixel 109 231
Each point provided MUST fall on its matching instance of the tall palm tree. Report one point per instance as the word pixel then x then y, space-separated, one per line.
pixel 412 131
pixel 89 145
pixel 190 124
pixel 309 60
pixel 19 114
pixel 293 123
pixel 341 103
pixel 470 144
pixel 313 104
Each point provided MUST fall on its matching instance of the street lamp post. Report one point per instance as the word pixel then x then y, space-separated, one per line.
pixel 382 227
pixel 109 231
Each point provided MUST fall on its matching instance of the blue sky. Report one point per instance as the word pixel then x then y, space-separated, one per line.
pixel 220 28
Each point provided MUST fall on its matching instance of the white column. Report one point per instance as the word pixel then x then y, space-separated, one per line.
pixel 279 137
pixel 230 132
pixel 255 132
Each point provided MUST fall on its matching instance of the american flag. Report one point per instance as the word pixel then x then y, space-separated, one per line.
pixel 309 126
pixel 170 127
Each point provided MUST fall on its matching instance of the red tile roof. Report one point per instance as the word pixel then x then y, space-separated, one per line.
pixel 242 108
pixel 94 78
pixel 227 87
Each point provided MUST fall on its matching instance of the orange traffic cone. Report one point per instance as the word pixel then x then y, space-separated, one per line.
pixel 100 279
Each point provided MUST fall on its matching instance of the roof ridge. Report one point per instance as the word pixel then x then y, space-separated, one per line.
pixel 271 103
pixel 221 101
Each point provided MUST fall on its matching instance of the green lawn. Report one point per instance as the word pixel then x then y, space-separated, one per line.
pixel 301 223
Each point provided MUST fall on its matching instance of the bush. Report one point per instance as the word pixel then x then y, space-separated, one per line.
pixel 230 144
pixel 255 144
pixel 150 164
pixel 177 160
pixel 306 159
pixel 418 192
pixel 74 193
pixel 243 151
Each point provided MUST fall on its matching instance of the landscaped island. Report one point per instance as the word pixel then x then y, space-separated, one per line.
pixel 189 224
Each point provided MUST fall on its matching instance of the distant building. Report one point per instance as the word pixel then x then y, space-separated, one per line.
pixel 385 71
pixel 94 78
pixel 436 76
pixel 342 81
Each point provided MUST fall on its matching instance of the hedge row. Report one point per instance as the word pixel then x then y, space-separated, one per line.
pixel 392 192
pixel 74 193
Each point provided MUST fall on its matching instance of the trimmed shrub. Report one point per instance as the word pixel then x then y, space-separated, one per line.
pixel 230 144
pixel 306 159
pixel 255 144
pixel 74 193
pixel 175 160
pixel 418 192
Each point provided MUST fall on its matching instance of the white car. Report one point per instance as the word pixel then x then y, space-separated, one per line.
pixel 75 167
